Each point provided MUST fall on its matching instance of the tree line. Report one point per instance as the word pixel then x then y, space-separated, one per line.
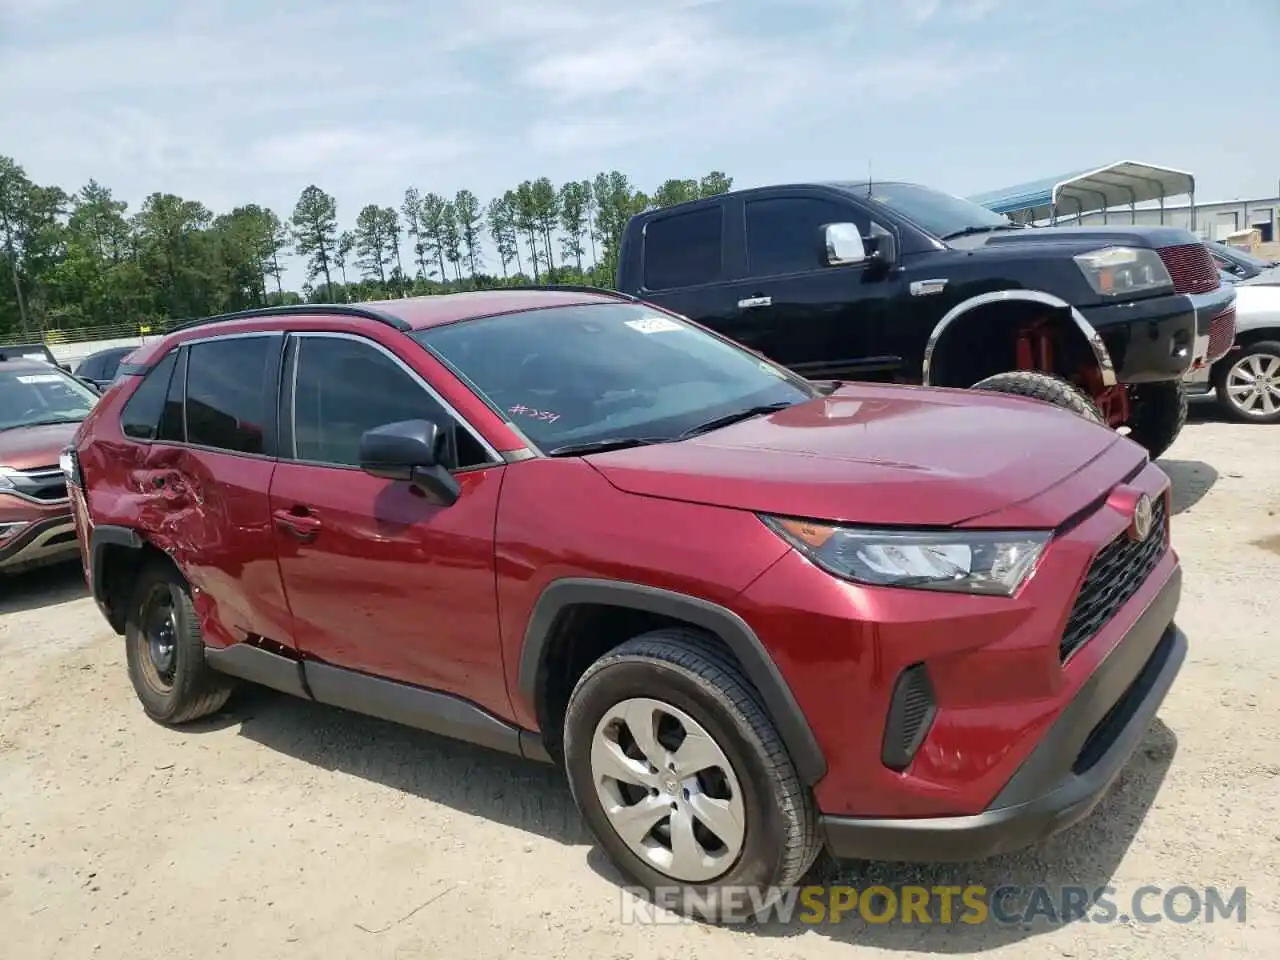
pixel 77 260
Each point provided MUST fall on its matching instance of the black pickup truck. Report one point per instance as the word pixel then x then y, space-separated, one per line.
pixel 900 282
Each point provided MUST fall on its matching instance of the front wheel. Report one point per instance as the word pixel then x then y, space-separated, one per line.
pixel 1248 386
pixel 1043 386
pixel 683 779
pixel 1157 413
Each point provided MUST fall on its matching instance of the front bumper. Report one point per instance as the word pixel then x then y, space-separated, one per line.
pixel 1160 338
pixel 50 539
pixel 1066 775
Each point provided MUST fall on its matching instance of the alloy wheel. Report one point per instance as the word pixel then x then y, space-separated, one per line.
pixel 1253 385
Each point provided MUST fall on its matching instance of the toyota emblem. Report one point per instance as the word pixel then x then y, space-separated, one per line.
pixel 1143 515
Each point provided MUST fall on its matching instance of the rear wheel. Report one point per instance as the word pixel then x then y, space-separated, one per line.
pixel 1043 386
pixel 684 780
pixel 1157 413
pixel 1248 384
pixel 165 650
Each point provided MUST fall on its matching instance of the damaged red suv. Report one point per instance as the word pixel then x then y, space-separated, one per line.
pixel 751 616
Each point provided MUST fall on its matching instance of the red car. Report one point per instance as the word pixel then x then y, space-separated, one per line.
pixel 41 405
pixel 751 615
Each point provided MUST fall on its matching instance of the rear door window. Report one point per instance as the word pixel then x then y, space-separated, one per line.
pixel 227 402
pixel 684 250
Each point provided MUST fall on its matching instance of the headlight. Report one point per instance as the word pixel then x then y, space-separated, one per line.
pixel 971 561
pixel 5 482
pixel 70 466
pixel 1117 271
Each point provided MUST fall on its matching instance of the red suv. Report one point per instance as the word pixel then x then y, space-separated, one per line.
pixel 751 615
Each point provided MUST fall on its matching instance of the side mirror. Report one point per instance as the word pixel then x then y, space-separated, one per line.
pixel 844 244
pixel 884 250
pixel 410 451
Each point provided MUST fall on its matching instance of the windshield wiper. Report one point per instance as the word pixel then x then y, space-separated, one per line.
pixel 599 446
pixel 48 422
pixel 970 231
pixel 735 417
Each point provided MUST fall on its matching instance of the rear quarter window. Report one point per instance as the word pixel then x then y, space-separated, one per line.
pixel 140 418
pixel 684 250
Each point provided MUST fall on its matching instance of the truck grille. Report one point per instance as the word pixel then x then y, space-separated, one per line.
pixel 1191 267
pixel 1117 572
pixel 1222 333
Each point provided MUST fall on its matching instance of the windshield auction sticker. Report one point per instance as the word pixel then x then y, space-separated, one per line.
pixel 653 325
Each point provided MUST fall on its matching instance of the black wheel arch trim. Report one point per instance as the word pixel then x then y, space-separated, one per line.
pixel 730 628
pixel 103 536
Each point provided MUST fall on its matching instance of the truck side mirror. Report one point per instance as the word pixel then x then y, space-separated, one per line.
pixel 843 243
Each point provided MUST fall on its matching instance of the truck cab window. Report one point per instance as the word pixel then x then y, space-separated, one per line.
pixel 784 234
pixel 683 250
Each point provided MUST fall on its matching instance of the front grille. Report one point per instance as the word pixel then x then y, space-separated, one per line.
pixel 1117 572
pixel 1191 267
pixel 911 711
pixel 1222 334
pixel 45 484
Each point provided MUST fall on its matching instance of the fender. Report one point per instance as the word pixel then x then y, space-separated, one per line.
pixel 779 702
pixel 1100 352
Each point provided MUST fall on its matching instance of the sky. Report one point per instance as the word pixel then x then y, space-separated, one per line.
pixel 249 101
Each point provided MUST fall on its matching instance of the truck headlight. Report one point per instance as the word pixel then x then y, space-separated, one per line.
pixel 1119 271
pixel 993 562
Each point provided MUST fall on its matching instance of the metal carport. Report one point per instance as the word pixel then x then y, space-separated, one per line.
pixel 1089 191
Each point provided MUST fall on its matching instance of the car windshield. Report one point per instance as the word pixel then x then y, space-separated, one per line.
pixel 941 214
pixel 1238 256
pixel 568 376
pixel 30 397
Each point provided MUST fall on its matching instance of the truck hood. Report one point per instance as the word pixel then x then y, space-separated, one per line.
pixel 887 455
pixel 1095 236
pixel 23 448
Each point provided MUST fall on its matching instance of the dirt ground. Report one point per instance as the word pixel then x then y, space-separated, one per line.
pixel 287 830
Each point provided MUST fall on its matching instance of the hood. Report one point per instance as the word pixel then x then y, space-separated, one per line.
pixel 23 448
pixel 1095 236
pixel 1268 277
pixel 1257 302
pixel 872 454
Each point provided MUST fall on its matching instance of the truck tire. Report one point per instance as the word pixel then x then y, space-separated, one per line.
pixel 1043 386
pixel 1157 413
pixel 710 832
pixel 1243 369
pixel 165 650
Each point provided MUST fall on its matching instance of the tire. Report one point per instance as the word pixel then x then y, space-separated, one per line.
pixel 175 685
pixel 683 675
pixel 1043 386
pixel 1157 413
pixel 1261 358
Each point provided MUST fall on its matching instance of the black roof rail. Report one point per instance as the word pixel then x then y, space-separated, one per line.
pixel 303 309
pixel 573 288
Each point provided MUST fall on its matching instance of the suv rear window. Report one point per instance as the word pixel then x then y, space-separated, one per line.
pixel 684 249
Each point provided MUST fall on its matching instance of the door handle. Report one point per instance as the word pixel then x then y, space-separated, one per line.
pixel 304 526
pixel 754 302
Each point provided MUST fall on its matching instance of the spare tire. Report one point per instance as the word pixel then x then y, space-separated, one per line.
pixel 1043 386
